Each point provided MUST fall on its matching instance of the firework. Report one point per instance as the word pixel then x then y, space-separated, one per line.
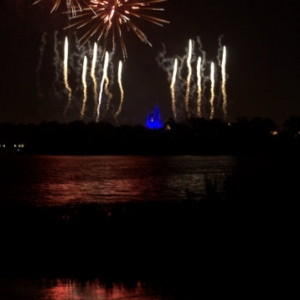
pixel 224 82
pixel 66 81
pixel 93 76
pixel 190 88
pixel 212 90
pixel 72 5
pixel 84 84
pixel 188 80
pixel 199 87
pixel 105 19
pixel 104 78
pixel 121 89
pixel 172 87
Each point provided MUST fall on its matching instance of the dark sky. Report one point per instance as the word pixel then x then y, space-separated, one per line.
pixel 263 68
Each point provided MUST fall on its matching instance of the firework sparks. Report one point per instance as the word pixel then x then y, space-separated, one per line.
pixel 107 93
pixel 199 89
pixel 191 89
pixel 84 84
pixel 121 89
pixel 224 83
pixel 72 5
pixel 212 90
pixel 66 81
pixel 92 74
pixel 188 80
pixel 104 18
pixel 172 87
pixel 104 77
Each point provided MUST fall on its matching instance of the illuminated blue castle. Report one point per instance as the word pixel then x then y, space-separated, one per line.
pixel 153 119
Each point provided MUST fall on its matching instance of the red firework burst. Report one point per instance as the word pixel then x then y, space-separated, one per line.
pixel 106 18
pixel 71 5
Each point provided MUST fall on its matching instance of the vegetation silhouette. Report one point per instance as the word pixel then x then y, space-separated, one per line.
pixel 195 136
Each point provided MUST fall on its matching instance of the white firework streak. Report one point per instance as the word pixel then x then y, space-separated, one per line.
pixel 121 89
pixel 172 88
pixel 212 90
pixel 104 76
pixel 92 74
pixel 66 49
pixel 188 80
pixel 107 93
pixel 55 6
pixel 224 83
pixel 84 84
pixel 199 88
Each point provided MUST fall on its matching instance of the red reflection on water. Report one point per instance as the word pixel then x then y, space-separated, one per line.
pixel 100 179
pixel 69 290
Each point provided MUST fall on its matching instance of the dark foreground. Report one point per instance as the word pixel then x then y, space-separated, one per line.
pixel 228 243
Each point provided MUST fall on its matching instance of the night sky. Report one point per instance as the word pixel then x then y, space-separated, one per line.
pixel 263 68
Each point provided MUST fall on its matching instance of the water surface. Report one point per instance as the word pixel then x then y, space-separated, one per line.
pixel 140 227
pixel 51 180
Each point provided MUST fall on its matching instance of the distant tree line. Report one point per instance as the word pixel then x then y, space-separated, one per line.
pixel 195 136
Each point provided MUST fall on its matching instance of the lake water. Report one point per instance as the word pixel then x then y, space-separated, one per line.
pixel 130 227
pixel 53 180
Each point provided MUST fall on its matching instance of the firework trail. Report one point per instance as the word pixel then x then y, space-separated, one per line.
pixel 188 80
pixel 55 5
pixel 224 83
pixel 193 86
pixel 172 88
pixel 107 18
pixel 104 77
pixel 84 84
pixel 184 87
pixel 72 5
pixel 66 49
pixel 121 89
pixel 107 93
pixel 92 74
pixel 212 90
pixel 199 87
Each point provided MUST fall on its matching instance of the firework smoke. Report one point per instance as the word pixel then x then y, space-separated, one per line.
pixel 108 94
pixel 41 51
pixel 191 89
pixel 79 73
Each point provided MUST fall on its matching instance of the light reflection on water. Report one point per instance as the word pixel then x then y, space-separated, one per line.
pixel 152 242
pixel 71 290
pixel 50 180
